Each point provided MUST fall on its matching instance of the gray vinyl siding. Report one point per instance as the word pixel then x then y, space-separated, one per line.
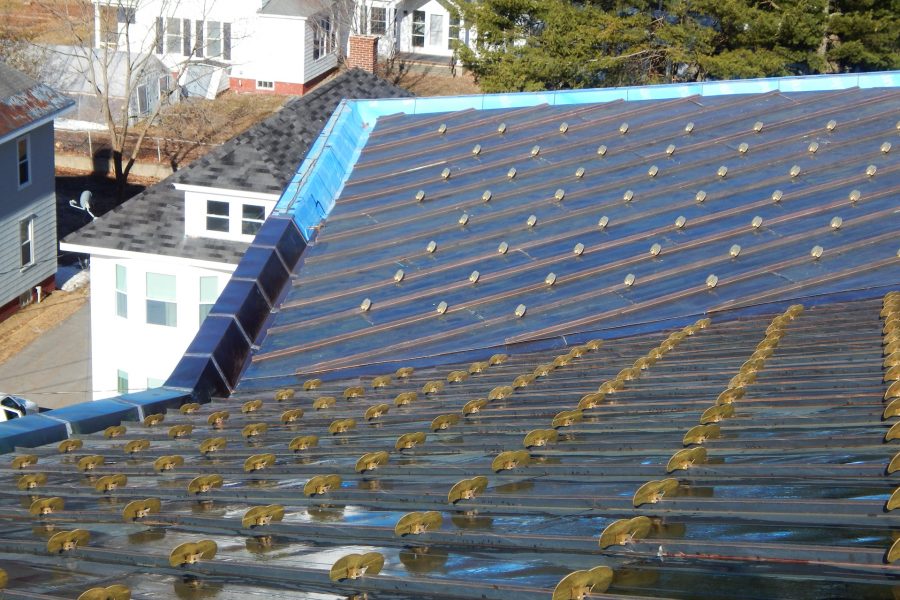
pixel 38 200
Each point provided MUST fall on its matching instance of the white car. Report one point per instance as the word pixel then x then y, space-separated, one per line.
pixel 13 407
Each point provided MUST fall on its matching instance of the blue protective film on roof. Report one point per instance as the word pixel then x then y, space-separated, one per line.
pixel 709 203
pixel 766 432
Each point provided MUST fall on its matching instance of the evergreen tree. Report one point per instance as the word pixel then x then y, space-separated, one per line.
pixel 863 35
pixel 528 45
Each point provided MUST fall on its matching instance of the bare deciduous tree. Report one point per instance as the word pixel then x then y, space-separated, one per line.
pixel 354 17
pixel 116 53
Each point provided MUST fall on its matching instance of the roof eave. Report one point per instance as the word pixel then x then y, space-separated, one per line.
pixel 188 187
pixel 129 254
pixel 37 123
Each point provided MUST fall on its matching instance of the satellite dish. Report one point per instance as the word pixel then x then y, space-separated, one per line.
pixel 84 203
pixel 85 200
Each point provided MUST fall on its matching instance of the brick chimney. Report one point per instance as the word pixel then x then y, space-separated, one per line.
pixel 363 52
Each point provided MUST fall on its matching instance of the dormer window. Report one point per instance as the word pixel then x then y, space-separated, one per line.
pixel 235 219
pixel 252 217
pixel 224 214
pixel 217 217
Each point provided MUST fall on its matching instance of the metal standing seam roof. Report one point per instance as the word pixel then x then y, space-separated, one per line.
pixel 670 435
pixel 750 455
pixel 261 159
pixel 586 217
pixel 266 156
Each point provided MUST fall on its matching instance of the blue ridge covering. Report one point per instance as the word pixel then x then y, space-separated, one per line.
pixel 31 431
pixel 88 417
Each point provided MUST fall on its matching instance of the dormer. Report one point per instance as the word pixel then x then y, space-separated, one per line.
pixel 224 214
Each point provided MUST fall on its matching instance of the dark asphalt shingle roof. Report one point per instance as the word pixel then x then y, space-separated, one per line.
pixel 153 223
pixel 265 157
pixel 262 159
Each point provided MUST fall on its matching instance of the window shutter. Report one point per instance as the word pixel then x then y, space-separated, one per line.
pixel 160 34
pixel 186 28
pixel 199 35
pixel 226 41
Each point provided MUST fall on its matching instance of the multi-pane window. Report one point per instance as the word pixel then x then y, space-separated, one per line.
pixel 322 38
pixel 217 215
pixel 265 85
pixel 121 381
pixel 174 41
pixel 378 21
pixel 435 30
pixel 209 291
pixel 24 160
pixel 252 218
pixel 453 38
pixel 213 38
pixel 162 307
pixel 143 100
pixel 121 291
pixel 26 242
pixel 418 28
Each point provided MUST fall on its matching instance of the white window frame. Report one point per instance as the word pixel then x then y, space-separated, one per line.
pixel 214 39
pixel 382 22
pixel 246 220
pixel 424 24
pixel 454 29
pixel 122 292
pixel 173 38
pixel 122 386
pixel 205 304
pixel 167 301
pixel 23 161
pixel 26 240
pixel 322 37
pixel 435 30
pixel 265 85
pixel 226 217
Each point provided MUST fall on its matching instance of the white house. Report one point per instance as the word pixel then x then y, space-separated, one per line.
pixel 428 27
pixel 27 188
pixel 159 261
pixel 280 46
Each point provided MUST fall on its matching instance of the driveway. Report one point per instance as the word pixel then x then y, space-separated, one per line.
pixel 55 369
